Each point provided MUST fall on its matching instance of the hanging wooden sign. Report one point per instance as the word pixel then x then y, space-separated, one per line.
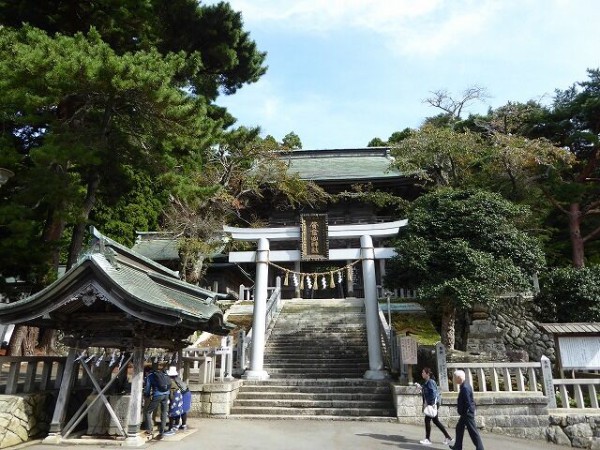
pixel 315 241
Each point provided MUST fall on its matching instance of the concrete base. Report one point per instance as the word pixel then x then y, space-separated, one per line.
pixel 132 441
pixel 376 375
pixel 52 439
pixel 258 375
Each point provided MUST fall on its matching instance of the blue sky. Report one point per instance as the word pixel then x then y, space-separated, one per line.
pixel 343 72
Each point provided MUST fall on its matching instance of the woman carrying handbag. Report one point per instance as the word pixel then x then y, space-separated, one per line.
pixel 431 401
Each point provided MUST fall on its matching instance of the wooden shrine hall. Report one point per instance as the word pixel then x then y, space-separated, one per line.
pixel 114 302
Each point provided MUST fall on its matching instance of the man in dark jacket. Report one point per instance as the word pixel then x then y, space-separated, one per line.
pixel 466 410
pixel 156 392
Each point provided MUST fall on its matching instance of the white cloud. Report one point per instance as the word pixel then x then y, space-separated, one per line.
pixel 412 27
pixel 393 52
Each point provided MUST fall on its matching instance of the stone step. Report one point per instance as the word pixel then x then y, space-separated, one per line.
pixel 278 367
pixel 290 411
pixel 300 332
pixel 314 362
pixel 275 372
pixel 343 352
pixel 320 354
pixel 321 396
pixel 322 388
pixel 331 345
pixel 316 355
pixel 290 325
pixel 358 381
pixel 319 417
pixel 311 404
pixel 308 350
pixel 317 374
pixel 319 337
pixel 325 342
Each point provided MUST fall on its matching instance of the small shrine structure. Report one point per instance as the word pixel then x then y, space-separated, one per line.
pixel 114 307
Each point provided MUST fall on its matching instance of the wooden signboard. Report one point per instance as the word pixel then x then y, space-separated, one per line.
pixel 314 235
pixel 408 349
pixel 579 352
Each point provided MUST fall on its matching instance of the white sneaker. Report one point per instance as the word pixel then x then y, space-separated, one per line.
pixel 448 441
pixel 425 442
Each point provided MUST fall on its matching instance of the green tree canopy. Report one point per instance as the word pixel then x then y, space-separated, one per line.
pixel 220 54
pixel 569 294
pixel 462 247
pixel 99 100
pixel 291 141
pixel 237 174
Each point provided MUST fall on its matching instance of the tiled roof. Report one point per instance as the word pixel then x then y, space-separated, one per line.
pixel 342 164
pixel 143 288
pixel 158 249
pixel 572 328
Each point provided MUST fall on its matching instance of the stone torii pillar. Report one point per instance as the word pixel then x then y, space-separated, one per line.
pixel 376 368
pixel 257 357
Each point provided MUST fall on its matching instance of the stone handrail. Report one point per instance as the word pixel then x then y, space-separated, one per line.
pixel 522 377
pixel 387 338
pixel 26 374
pixel 574 389
pixel 500 376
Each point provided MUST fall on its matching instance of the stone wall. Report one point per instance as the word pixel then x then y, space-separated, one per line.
pixel 514 319
pixel 580 431
pixel 24 417
pixel 522 415
pixel 213 400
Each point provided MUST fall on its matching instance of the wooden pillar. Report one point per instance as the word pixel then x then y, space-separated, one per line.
pixel 135 404
pixel 137 381
pixel 62 402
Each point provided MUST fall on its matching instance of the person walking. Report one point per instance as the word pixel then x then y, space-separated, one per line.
pixel 156 392
pixel 431 402
pixel 181 401
pixel 466 410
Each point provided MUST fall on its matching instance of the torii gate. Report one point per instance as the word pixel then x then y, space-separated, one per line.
pixel 263 256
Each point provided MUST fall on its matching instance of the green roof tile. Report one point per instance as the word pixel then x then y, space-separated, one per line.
pixel 345 164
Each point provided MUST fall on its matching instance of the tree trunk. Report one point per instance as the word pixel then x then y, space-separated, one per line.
pixel 79 228
pixel 448 325
pixel 577 243
pixel 15 346
pixel 30 341
pixel 23 341
pixel 48 342
pixel 53 231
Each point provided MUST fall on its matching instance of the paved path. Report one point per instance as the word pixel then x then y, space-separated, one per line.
pixel 245 434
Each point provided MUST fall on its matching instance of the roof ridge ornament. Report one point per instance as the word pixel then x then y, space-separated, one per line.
pixel 111 257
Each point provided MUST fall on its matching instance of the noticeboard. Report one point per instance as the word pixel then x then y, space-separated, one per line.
pixel 408 349
pixel 579 352
pixel 314 234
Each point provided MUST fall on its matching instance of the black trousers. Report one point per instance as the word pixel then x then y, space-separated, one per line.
pixel 155 402
pixel 437 423
pixel 467 421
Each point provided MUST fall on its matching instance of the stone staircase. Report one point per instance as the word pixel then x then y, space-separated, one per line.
pixel 316 354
